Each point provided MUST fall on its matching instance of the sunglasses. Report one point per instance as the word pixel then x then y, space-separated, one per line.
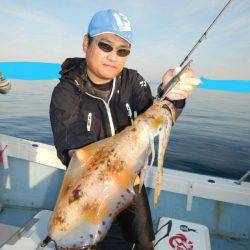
pixel 108 48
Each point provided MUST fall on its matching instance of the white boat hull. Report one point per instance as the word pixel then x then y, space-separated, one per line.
pixel 32 177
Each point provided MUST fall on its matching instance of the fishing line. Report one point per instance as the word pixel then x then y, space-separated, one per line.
pixel 205 33
pixel 176 78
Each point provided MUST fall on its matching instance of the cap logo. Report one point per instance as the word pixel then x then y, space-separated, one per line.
pixel 122 22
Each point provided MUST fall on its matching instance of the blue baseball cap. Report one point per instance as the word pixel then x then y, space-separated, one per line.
pixel 110 21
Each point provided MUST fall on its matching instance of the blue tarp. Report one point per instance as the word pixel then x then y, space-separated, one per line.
pixel 48 71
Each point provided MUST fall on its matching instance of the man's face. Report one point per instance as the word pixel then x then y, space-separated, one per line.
pixel 104 66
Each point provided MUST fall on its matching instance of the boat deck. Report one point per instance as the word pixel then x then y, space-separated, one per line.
pixel 15 221
pixel 12 220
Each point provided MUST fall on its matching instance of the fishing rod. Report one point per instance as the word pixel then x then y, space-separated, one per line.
pixel 176 78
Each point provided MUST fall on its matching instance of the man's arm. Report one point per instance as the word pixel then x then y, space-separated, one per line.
pixel 69 129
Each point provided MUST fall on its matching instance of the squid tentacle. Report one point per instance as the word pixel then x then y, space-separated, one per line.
pixel 162 146
pixel 144 169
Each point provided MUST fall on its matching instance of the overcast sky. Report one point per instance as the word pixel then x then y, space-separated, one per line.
pixel 164 32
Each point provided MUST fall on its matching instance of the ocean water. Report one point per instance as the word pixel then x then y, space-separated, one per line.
pixel 212 136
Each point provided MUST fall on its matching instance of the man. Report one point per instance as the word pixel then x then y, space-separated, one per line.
pixel 98 97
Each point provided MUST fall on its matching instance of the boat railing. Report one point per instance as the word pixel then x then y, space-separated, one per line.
pixel 243 178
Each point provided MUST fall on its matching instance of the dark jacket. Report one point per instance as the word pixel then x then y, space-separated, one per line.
pixel 79 118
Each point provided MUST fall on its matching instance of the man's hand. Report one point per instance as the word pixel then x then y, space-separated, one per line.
pixel 185 86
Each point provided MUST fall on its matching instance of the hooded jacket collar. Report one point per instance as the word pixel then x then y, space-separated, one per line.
pixel 75 70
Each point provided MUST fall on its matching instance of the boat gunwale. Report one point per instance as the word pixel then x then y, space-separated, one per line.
pixel 190 184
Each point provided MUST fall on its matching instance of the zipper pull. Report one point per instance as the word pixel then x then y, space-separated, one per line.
pixel 89 121
pixel 129 113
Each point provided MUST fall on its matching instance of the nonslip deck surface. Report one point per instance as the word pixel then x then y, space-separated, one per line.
pixel 13 219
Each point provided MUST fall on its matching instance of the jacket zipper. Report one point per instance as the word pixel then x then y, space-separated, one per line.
pixel 106 104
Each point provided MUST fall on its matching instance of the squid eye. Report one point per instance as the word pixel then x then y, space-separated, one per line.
pixel 165 106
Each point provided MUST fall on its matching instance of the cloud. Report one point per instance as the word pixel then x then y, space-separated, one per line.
pixel 165 31
pixel 30 34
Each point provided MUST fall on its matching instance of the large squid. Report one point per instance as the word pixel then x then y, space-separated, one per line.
pixel 99 182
